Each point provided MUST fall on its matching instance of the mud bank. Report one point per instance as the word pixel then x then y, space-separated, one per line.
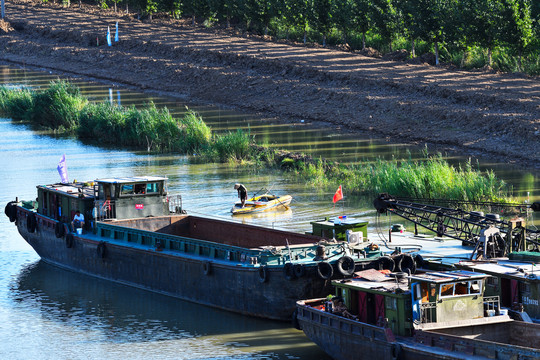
pixel 472 112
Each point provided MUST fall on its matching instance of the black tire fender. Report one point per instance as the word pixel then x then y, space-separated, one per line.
pixel 31 222
pixel 385 263
pixel 102 249
pixel 207 267
pixel 59 229
pixel 325 270
pixel 288 270
pixel 346 265
pixel 263 274
pixel 406 263
pixel 299 270
pixel 69 240
pixel 11 211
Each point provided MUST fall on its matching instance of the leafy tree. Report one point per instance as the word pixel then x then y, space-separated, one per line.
pixel 295 13
pixel 195 8
pixel 517 32
pixel 485 22
pixel 321 17
pixel 173 7
pixel 226 10
pixel 260 13
pixel 362 18
pixel 431 21
pixel 343 17
pixel 385 19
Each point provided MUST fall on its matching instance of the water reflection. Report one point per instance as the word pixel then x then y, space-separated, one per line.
pixel 328 142
pixel 112 313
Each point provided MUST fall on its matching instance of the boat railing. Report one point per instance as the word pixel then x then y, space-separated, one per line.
pixel 316 316
pixel 492 305
pixel 104 210
pixel 175 203
pixel 194 247
pixel 428 312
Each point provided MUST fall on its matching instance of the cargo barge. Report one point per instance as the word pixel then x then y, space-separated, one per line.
pixel 429 315
pixel 135 233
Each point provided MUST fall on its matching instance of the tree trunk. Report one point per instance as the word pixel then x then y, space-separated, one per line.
pixel 436 53
pixel 463 58
pixel 305 36
pixel 363 40
pixel 228 22
pixel 193 20
pixel 413 48
pixel 489 57
pixel 324 40
pixel 115 7
pixel 391 46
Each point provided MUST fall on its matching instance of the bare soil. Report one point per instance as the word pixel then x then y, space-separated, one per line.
pixel 475 113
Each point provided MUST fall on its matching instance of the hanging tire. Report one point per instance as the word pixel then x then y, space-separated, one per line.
pixel 31 222
pixel 102 249
pixel 405 263
pixel 11 210
pixel 346 265
pixel 288 270
pixel 59 229
pixel 299 270
pixel 69 240
pixel 207 267
pixel 263 274
pixel 325 270
pixel 385 263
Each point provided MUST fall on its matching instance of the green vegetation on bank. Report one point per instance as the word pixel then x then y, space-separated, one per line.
pixel 503 34
pixel 62 108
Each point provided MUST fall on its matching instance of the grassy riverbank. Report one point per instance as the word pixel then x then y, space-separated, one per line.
pixel 62 108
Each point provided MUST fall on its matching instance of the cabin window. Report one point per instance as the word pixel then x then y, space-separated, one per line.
pixel 461 288
pixel 127 189
pixel 152 188
pixel 447 290
pixel 476 287
pixel 391 303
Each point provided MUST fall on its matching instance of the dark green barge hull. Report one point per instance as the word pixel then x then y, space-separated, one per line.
pixel 242 268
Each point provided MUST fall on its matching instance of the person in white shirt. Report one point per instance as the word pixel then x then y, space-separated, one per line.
pixel 78 220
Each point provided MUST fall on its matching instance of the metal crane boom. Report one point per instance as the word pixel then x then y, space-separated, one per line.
pixel 466 226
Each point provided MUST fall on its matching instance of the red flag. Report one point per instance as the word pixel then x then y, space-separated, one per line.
pixel 338 195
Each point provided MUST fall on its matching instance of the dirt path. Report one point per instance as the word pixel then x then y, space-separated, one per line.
pixel 476 113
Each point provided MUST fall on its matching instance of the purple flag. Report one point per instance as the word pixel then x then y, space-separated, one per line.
pixel 62 169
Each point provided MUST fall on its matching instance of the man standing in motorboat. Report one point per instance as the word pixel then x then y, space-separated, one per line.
pixel 242 193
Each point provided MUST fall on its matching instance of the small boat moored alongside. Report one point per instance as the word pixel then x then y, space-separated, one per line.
pixel 261 203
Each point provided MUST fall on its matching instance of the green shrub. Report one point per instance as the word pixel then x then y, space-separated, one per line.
pixel 58 106
pixel 16 103
pixel 232 146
